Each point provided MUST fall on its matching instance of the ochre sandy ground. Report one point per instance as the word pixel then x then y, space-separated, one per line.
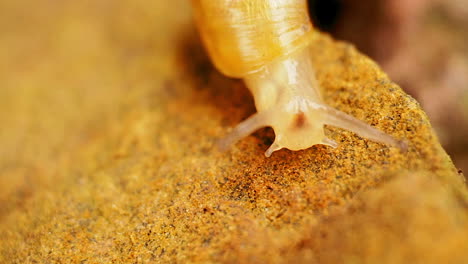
pixel 109 112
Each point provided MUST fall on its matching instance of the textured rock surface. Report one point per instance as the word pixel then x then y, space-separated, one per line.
pixel 109 113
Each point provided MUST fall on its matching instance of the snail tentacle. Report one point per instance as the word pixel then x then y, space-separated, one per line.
pixel 243 129
pixel 342 120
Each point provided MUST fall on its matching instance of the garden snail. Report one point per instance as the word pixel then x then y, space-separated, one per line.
pixel 265 42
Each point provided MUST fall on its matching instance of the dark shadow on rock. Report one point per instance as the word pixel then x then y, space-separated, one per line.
pixel 227 95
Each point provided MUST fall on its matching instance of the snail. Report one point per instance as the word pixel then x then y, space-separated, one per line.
pixel 265 43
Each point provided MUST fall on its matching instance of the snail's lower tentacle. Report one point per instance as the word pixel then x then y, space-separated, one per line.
pixel 245 128
pixel 342 120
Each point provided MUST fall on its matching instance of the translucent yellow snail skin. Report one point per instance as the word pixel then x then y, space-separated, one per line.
pixel 265 42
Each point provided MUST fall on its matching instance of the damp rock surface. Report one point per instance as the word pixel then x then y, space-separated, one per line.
pixel 110 113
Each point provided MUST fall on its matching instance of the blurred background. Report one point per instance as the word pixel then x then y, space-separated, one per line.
pixel 422 45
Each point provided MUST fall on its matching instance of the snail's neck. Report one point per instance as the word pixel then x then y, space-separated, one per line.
pixel 285 82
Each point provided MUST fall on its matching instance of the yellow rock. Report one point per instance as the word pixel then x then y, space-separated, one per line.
pixel 109 114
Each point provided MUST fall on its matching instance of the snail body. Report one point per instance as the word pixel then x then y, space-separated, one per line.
pixel 265 42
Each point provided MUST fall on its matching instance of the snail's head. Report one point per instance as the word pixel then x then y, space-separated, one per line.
pixel 298 124
pixel 287 97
